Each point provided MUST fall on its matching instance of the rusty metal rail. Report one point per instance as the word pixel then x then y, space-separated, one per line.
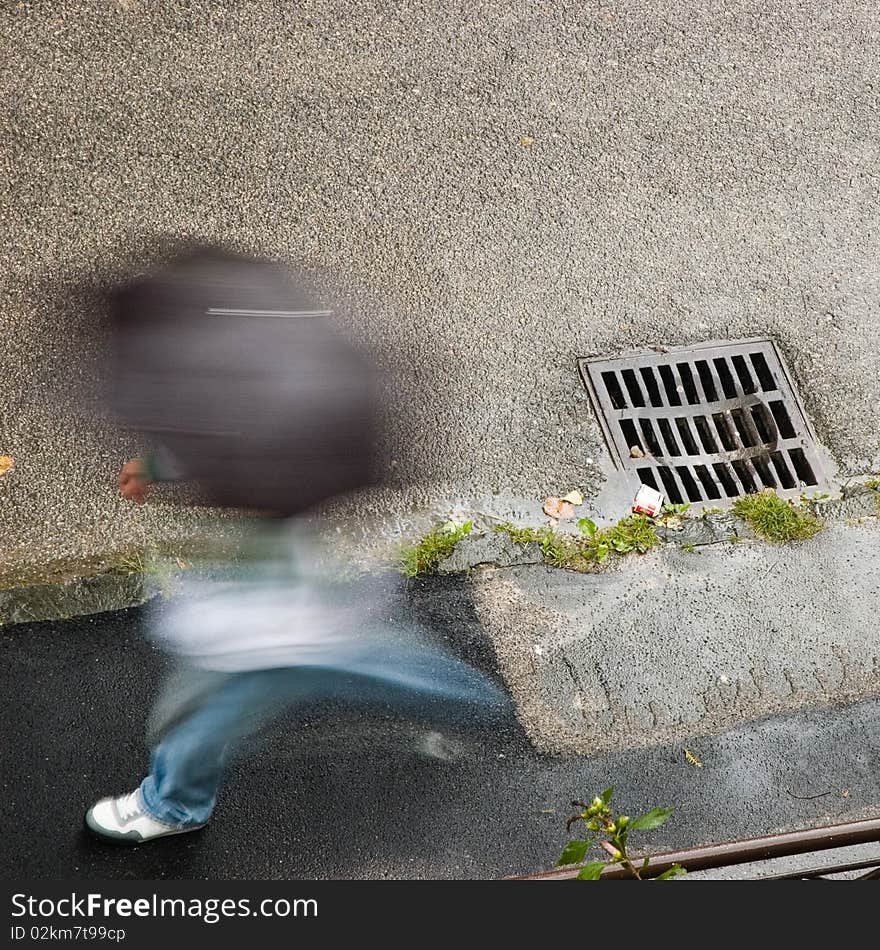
pixel 731 853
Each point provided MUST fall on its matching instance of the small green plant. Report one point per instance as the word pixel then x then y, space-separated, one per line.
pixel 611 832
pixel 813 502
pixel 635 533
pixel 773 518
pixel 423 558
pixel 596 543
pixel 132 562
pixel 873 484
pixel 672 515
pixel 557 549
pixel 519 535
pixel 690 548
pixel 711 511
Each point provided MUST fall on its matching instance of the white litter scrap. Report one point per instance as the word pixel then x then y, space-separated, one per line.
pixel 648 501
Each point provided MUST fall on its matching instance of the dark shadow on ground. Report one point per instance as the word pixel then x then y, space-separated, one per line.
pixel 340 793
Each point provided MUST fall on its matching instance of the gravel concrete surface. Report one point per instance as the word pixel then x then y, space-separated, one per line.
pixel 679 643
pixel 496 189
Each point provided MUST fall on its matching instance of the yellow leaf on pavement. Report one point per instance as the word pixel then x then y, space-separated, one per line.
pixel 575 497
pixel 6 463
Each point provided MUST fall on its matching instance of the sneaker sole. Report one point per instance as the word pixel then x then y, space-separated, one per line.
pixel 130 839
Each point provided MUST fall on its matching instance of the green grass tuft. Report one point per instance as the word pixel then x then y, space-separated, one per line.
pixel 423 558
pixel 635 533
pixel 519 535
pixel 775 519
pixel 133 562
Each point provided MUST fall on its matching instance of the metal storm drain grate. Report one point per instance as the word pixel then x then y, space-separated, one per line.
pixel 706 424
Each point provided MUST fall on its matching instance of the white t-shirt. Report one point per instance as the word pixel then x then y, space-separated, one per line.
pixel 289 603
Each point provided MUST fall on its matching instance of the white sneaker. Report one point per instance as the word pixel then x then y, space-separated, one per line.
pixel 123 820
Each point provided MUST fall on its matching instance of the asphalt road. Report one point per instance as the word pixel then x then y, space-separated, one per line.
pixel 344 795
pixel 510 185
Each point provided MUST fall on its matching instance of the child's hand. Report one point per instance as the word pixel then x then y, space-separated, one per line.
pixel 133 481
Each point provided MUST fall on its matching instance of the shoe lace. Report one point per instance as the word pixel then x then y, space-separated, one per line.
pixel 129 807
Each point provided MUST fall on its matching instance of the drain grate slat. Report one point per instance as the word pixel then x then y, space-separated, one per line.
pixel 706 424
pixel 779 415
pixel 707 458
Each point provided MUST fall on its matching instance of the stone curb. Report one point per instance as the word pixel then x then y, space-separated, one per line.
pixel 86 589
pixel 75 597
pixel 499 550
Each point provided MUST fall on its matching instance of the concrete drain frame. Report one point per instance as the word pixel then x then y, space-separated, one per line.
pixel 707 424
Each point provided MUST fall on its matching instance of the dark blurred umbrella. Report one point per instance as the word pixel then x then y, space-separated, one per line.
pixel 231 366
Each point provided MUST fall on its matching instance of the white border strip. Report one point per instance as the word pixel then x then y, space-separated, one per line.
pixel 271 313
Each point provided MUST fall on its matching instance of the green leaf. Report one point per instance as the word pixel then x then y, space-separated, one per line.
pixel 670 874
pixel 591 871
pixel 645 864
pixel 574 852
pixel 587 526
pixel 651 819
pixel 606 795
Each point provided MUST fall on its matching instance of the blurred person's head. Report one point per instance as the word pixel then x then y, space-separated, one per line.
pixel 232 366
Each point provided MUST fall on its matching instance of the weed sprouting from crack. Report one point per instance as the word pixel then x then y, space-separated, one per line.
pixel 775 519
pixel 770 516
pixel 423 558
pixel 636 533
pixel 132 562
pixel 874 485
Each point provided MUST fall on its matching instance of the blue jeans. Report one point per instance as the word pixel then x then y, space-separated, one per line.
pixel 203 716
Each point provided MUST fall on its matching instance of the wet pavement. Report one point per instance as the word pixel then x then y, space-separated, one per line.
pixel 342 793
